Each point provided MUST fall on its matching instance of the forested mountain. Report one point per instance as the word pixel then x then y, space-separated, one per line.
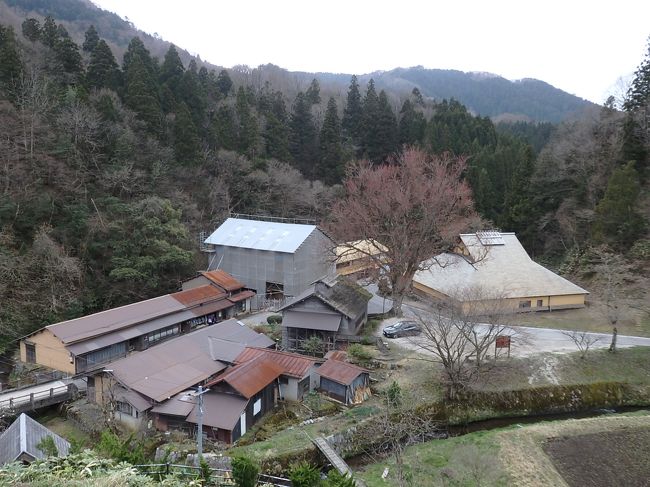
pixel 482 93
pixel 110 166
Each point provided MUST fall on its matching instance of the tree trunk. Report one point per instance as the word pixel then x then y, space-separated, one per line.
pixel 612 346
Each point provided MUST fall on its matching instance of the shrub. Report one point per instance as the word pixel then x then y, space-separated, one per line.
pixel 48 447
pixel 314 346
pixel 245 472
pixel 304 475
pixel 336 479
pixel 274 319
pixel 367 340
pixel 360 354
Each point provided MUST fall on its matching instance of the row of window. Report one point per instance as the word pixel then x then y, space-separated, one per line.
pixel 162 334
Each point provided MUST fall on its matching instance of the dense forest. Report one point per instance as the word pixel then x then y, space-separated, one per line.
pixel 109 170
pixel 482 93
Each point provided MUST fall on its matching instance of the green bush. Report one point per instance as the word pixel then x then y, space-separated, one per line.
pixel 335 479
pixel 304 475
pixel 274 319
pixel 358 353
pixel 48 447
pixel 245 472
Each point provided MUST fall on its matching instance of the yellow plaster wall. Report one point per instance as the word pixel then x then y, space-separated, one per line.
pixel 50 351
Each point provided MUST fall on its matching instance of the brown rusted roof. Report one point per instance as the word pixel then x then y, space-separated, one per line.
pixel 341 372
pixel 242 295
pixel 198 295
pixel 251 377
pixel 213 307
pixel 223 279
pixel 293 364
pixel 339 355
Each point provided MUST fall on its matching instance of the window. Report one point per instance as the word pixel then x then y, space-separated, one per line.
pixel 124 407
pixel 540 303
pixel 257 407
pixel 30 353
pixel 161 334
pixel 524 304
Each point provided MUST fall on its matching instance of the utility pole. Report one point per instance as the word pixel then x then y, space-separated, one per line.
pixel 199 419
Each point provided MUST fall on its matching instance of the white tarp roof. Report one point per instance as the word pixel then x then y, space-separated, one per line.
pixel 505 270
pixel 260 235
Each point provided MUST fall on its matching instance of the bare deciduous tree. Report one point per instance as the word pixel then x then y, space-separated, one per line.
pixel 402 214
pixel 461 335
pixel 583 340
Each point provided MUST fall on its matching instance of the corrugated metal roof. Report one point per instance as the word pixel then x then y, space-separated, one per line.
pixel 114 319
pixel 220 410
pixel 212 307
pixel 223 279
pixel 241 296
pixel 22 437
pixel 260 235
pixel 197 295
pixel 131 332
pixel 341 372
pixel 251 377
pixel 311 320
pixel 339 355
pixel 293 364
pixel 166 369
pixel 133 398
pixel 176 406
pixel 500 271
pixel 225 350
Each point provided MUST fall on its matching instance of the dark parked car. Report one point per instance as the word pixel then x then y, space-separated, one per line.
pixel 402 328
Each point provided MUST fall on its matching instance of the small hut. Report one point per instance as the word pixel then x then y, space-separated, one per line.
pixel 347 383
pixel 20 442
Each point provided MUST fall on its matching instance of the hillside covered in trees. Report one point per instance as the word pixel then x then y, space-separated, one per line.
pixel 110 166
pixel 482 93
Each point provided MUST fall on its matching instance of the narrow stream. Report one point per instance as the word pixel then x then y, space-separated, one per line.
pixel 494 423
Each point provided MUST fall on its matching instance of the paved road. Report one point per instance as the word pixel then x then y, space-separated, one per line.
pixel 525 340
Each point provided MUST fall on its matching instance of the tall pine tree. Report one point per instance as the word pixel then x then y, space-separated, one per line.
pixel 103 71
pixel 352 122
pixel 302 137
pixel 331 168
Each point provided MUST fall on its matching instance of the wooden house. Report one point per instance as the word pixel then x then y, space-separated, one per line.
pixel 345 382
pixel 327 309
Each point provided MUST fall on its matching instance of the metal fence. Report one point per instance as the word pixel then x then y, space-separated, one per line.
pixel 218 476
pixel 18 402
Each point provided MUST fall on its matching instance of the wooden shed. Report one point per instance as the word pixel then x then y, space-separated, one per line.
pixel 347 383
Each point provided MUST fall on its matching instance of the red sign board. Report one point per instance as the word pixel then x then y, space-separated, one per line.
pixel 503 341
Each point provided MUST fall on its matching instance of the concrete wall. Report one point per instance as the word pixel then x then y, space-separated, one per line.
pixel 50 351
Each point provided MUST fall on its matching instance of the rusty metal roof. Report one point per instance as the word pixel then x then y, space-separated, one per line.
pixel 242 295
pixel 293 364
pixel 251 377
pixel 340 355
pixel 341 372
pixel 198 295
pixel 166 369
pixel 223 279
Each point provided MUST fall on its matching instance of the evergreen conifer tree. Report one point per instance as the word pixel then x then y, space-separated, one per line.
pixel 411 125
pixel 386 131
pixel 186 140
pixel 49 32
pixel 313 93
pixel 352 122
pixel 103 71
pixel 638 95
pixel 330 169
pixel 276 134
pixel 91 39
pixel 224 129
pixel 369 140
pixel 248 129
pixel 172 70
pixel 10 63
pixel 224 83
pixel 302 136
pixel 32 29
pixel 617 221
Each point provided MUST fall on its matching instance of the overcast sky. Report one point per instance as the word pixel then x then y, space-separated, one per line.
pixel 582 47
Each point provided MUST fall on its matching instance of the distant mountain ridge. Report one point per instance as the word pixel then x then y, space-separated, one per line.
pixel 484 94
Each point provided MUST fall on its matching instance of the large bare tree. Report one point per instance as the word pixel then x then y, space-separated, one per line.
pixel 402 214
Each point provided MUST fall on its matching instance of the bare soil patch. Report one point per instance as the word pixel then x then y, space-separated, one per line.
pixel 602 459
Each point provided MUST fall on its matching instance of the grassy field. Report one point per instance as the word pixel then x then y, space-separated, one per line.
pixel 509 456
pixel 66 429
pixel 592 318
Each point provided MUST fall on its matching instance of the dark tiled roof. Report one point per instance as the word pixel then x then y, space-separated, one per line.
pixel 341 372
pixel 344 296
